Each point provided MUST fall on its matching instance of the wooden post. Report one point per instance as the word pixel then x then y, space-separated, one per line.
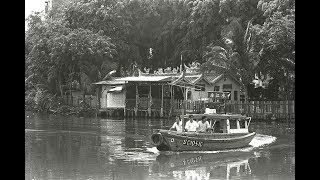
pixel 171 102
pixel 238 124
pixel 161 109
pixel 278 109
pixel 293 113
pixel 125 102
pixel 150 101
pixel 254 108
pixel 287 109
pixel 184 104
pixel 97 105
pixel 227 126
pixel 273 108
pixel 98 99
pixel 137 98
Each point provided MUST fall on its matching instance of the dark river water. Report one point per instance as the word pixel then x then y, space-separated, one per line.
pixel 59 147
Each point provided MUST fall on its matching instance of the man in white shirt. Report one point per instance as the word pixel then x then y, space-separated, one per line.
pixel 191 125
pixel 177 125
pixel 203 125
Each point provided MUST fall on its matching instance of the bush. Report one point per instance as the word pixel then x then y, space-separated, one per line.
pixel 41 100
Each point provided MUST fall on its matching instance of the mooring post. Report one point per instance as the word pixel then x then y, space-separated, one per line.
pixel 125 102
pixel 150 101
pixel 161 109
pixel 137 98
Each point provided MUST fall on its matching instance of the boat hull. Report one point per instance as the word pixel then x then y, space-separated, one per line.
pixel 173 141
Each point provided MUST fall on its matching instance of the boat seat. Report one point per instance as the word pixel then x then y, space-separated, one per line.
pixel 210 111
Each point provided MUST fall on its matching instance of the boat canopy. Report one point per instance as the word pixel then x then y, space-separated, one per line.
pixel 218 116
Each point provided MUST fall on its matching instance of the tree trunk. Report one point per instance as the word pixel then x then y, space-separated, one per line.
pixel 60 88
pixel 245 89
pixel 98 97
pixel 84 95
pixel 118 73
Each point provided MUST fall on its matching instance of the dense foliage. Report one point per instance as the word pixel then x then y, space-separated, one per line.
pixel 82 41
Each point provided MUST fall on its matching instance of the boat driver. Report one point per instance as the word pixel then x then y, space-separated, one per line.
pixel 203 124
pixel 177 125
pixel 191 125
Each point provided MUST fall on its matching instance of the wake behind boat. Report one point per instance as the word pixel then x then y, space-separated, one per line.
pixel 228 131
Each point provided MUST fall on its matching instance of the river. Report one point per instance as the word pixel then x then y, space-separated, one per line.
pixel 61 147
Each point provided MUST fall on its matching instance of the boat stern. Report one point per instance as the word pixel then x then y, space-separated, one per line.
pixel 160 142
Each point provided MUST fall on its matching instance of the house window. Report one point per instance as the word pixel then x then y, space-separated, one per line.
pixel 242 124
pixel 189 95
pixel 200 87
pixel 235 93
pixel 242 97
pixel 227 86
pixel 233 124
pixel 229 92
pixel 143 91
pixel 216 88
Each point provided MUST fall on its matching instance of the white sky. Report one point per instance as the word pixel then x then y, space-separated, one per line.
pixel 33 5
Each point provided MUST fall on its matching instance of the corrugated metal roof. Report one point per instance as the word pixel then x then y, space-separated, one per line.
pixel 146 78
pixel 110 82
pixel 192 79
pixel 212 78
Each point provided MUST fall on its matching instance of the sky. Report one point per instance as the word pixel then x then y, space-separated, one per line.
pixel 33 5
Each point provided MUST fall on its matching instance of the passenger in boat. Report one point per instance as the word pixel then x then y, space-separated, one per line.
pixel 191 125
pixel 217 127
pixel 203 125
pixel 177 125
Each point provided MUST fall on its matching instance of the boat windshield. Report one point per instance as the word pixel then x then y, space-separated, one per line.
pixel 224 123
pixel 217 116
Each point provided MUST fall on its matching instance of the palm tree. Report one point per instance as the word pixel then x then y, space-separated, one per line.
pixel 238 60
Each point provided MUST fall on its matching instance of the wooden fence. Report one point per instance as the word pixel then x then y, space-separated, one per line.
pixel 255 109
pixel 263 109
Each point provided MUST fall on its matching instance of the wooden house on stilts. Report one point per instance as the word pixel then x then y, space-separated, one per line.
pixel 162 95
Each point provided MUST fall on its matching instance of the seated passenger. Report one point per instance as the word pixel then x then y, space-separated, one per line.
pixel 177 126
pixel 217 127
pixel 191 125
pixel 203 125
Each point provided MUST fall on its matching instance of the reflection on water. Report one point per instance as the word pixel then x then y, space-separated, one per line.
pixel 58 147
pixel 221 165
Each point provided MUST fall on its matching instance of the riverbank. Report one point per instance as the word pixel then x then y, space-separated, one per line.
pixel 42 101
pixel 66 110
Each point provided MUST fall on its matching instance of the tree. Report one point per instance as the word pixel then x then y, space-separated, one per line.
pixel 61 54
pixel 238 60
pixel 277 44
pixel 85 40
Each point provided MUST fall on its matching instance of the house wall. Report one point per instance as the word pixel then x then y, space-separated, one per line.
pixel 235 87
pixel 196 95
pixel 103 98
pixel 116 100
pixel 111 100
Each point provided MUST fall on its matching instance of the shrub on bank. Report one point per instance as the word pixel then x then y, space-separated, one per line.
pixel 41 100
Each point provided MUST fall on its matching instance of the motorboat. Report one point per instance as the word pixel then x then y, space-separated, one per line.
pixel 227 131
